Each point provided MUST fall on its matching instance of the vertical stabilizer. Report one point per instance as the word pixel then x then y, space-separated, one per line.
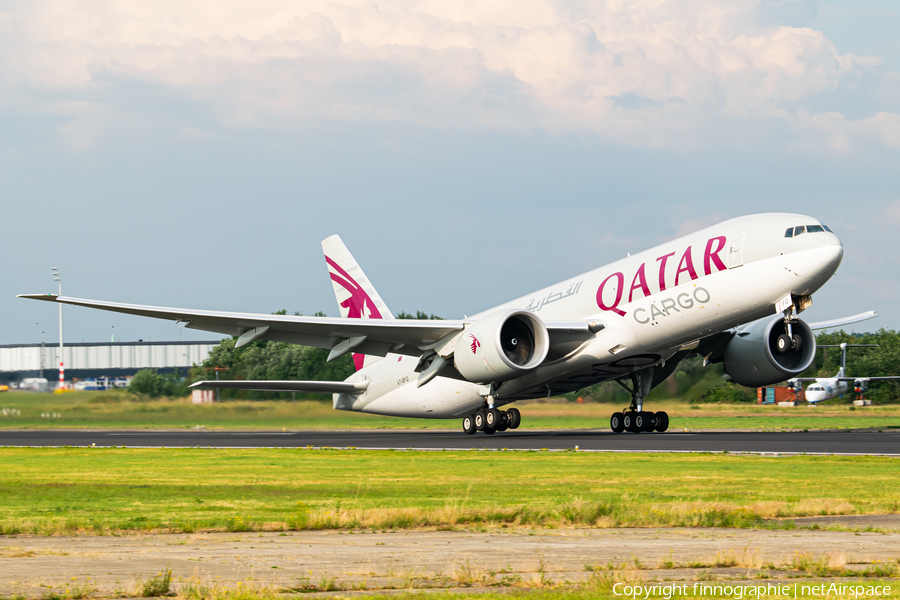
pixel 843 361
pixel 356 297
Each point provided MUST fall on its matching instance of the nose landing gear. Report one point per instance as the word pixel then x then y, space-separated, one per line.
pixel 789 340
pixel 635 419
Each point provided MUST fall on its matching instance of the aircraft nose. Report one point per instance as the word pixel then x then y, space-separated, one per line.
pixel 830 251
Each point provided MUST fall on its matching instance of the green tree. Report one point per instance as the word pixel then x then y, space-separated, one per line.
pixel 149 382
pixel 729 393
pixel 146 382
pixel 422 316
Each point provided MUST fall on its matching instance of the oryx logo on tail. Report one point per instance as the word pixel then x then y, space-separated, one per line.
pixel 359 301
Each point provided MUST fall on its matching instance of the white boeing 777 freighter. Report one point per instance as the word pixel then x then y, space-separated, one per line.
pixel 730 293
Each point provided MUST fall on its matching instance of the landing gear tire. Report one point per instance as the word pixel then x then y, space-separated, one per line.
pixel 628 422
pixel 479 420
pixel 784 343
pixel 796 342
pixel 662 421
pixel 641 422
pixel 515 418
pixel 492 419
pixel 503 425
pixel 469 424
pixel 615 422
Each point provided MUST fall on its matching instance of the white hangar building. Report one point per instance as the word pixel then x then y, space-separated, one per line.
pixel 110 359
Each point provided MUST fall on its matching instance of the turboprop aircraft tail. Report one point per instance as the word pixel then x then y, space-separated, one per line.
pixel 356 297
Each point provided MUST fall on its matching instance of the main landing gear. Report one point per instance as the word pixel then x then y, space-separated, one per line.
pixel 491 420
pixel 635 419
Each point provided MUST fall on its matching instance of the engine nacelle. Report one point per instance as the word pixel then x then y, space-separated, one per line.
pixel 752 357
pixel 501 346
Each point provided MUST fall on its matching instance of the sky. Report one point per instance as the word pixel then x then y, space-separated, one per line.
pixel 195 154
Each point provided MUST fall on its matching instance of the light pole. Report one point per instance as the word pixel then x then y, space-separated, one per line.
pixel 62 370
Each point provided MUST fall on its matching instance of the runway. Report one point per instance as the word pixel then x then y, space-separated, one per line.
pixel 850 443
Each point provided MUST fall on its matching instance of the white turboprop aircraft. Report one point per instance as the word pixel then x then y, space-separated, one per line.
pixel 826 388
pixel 729 292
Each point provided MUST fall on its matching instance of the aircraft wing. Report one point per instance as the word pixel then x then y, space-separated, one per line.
pixel 844 321
pixel 366 336
pixel 307 387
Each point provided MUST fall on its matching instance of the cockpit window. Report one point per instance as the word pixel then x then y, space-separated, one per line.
pixel 795 231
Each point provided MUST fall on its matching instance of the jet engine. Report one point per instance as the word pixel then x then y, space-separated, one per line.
pixel 753 357
pixel 501 346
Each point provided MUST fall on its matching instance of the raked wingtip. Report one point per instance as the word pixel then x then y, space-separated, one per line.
pixel 47 297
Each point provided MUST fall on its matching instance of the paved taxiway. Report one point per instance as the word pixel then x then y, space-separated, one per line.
pixel 814 442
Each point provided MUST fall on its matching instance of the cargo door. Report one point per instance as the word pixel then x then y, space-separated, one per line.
pixel 736 250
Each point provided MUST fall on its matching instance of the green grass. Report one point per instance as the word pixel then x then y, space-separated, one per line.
pixel 121 410
pixel 599 588
pixel 64 490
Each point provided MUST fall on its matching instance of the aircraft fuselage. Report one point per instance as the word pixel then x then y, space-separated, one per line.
pixel 826 389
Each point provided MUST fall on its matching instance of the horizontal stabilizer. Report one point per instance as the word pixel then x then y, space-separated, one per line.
pixel 307 387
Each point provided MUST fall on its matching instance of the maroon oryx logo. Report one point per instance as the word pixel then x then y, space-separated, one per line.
pixel 359 300
pixel 356 304
pixel 475 343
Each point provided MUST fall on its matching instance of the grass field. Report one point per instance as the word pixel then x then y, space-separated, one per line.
pixel 614 583
pixel 599 588
pixel 67 490
pixel 120 410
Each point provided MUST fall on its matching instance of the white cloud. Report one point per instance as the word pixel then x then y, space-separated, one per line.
pixel 634 72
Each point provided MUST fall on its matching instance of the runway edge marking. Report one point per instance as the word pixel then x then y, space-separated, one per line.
pixel 747 452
